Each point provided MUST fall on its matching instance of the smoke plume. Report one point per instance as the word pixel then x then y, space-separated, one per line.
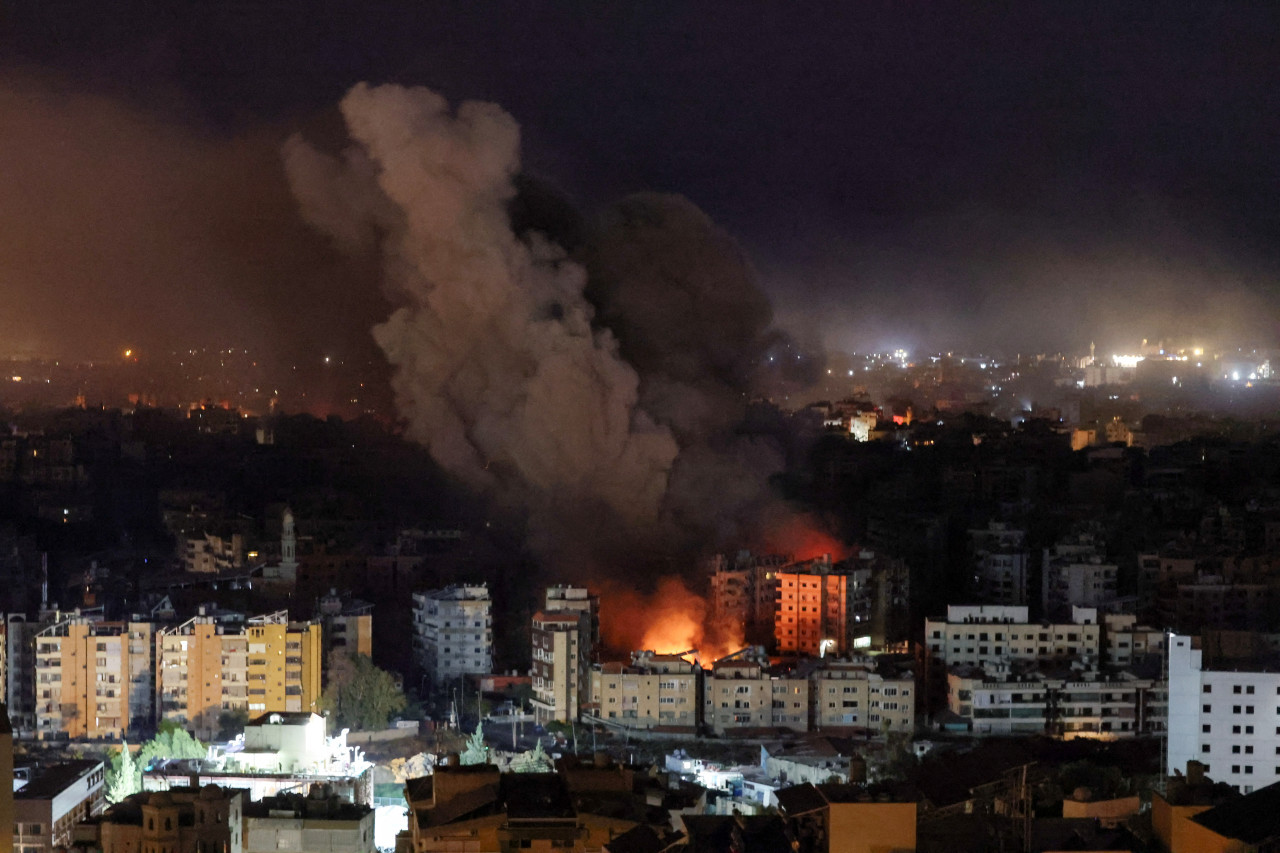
pixel 597 390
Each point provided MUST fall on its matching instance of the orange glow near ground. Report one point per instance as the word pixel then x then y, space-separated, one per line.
pixel 670 620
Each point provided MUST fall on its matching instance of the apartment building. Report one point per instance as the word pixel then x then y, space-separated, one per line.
pixel 744 593
pixel 92 679
pixel 564 597
pixel 1071 704
pixel 347 625
pixel 1224 709
pixel 47 809
pixel 1125 642
pixel 813 611
pixel 652 690
pixel 560 641
pixel 1000 560
pixel 741 692
pixel 453 632
pixel 206 666
pixel 856 693
pixel 982 635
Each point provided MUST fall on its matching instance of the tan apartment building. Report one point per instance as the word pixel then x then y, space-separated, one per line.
pixel 92 679
pixel 559 669
pixel 852 694
pixel 653 690
pixel 812 615
pixel 267 664
pixel 741 692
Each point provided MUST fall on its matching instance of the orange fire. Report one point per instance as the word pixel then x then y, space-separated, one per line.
pixel 669 621
pixel 802 537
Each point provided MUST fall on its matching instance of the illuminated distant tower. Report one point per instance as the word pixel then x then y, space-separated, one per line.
pixel 288 547
pixel 1092 359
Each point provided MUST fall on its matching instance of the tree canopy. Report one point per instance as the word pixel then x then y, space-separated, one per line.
pixel 360 695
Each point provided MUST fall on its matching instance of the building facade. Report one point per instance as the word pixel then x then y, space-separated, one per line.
pixel 560 641
pixel 453 632
pixel 92 679
pixel 205 667
pixel 653 690
pixel 982 635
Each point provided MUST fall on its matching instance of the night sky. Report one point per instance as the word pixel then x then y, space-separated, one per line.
pixel 1014 176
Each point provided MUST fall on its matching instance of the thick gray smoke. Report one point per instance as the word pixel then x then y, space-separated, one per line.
pixel 502 366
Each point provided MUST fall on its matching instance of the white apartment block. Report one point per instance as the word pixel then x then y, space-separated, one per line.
pixel 983 635
pixel 1227 719
pixel 453 632
pixel 1082 704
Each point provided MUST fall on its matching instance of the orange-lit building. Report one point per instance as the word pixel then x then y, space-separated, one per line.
pixel 204 667
pixel 812 613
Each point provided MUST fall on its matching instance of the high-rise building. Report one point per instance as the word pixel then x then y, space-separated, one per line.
pixel 560 663
pixel 813 608
pixel 453 632
pixel 580 599
pixel 205 667
pixel 744 594
pixel 92 679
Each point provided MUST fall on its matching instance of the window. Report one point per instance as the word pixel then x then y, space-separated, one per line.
pixel 1204 747
pixel 1206 728
pixel 1235 689
pixel 1248 689
pixel 1207 709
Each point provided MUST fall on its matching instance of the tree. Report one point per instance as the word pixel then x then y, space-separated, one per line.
pixel 360 695
pixel 231 723
pixel 122 776
pixel 172 741
pixel 477 752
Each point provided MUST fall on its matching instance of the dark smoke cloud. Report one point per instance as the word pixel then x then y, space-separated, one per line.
pixel 606 411
pixel 122 227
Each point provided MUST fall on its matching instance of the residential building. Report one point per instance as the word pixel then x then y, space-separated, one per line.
pixel 453 632
pixel 1077 582
pixel 206 666
pixel 179 820
pixel 475 807
pixel 821 814
pixel 1000 560
pixel 47 808
pixel 20 671
pixel 1068 704
pixel 979 635
pixel 652 690
pixel 858 693
pixel 1126 643
pixel 92 679
pixel 565 597
pixel 213 553
pixel 813 611
pixel 742 693
pixel 347 625
pixel 1224 708
pixel 744 594
pixel 6 791
pixel 560 668
pixel 317 823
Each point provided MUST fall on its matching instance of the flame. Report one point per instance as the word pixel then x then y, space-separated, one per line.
pixel 671 620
